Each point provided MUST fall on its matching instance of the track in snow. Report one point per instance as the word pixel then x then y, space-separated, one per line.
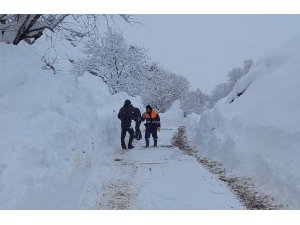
pixel 161 178
pixel 243 187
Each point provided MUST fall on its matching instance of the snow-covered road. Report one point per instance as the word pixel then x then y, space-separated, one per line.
pixel 157 178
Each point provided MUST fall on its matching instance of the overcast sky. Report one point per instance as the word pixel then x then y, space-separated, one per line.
pixel 204 48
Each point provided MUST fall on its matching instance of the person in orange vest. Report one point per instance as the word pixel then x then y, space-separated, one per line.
pixel 152 124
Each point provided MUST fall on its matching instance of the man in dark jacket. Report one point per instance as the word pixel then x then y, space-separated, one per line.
pixel 138 120
pixel 152 124
pixel 126 115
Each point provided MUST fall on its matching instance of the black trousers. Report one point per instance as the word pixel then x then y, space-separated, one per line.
pixel 138 133
pixel 123 135
pixel 152 131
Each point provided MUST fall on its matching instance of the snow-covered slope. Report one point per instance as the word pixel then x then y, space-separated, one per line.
pixel 257 134
pixel 60 147
pixel 51 127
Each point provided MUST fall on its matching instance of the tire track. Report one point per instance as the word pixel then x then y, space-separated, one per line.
pixel 243 187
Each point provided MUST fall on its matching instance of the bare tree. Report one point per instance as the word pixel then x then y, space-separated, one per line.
pixel 28 27
pixel 15 28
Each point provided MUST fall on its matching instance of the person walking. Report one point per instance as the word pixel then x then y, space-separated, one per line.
pixel 126 114
pixel 152 124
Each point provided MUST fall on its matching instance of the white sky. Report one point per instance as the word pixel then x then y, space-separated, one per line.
pixel 204 48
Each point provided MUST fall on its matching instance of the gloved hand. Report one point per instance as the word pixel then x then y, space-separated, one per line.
pixel 158 129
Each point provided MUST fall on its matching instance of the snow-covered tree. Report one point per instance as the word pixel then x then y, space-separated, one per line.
pixel 120 66
pixel 220 91
pixel 223 89
pixel 162 88
pixel 28 27
pixel 193 102
pixel 247 65
pixel 15 28
pixel 235 74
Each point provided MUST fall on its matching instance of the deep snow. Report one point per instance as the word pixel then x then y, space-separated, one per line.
pixel 60 137
pixel 258 134
pixel 50 131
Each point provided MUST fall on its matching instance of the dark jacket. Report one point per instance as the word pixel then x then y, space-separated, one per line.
pixel 126 114
pixel 136 113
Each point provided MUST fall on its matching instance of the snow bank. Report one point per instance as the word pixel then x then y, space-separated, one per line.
pixel 258 134
pixel 53 128
pixel 173 118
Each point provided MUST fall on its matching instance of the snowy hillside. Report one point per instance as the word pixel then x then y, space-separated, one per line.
pixel 50 129
pixel 255 131
pixel 60 147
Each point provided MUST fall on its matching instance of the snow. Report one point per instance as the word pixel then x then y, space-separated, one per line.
pixel 157 178
pixel 50 128
pixel 60 140
pixel 60 137
pixel 179 182
pixel 258 134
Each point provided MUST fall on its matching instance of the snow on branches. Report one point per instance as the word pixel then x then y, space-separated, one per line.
pixel 15 28
pixel 193 102
pixel 162 88
pixel 120 66
pixel 222 90
pixel 28 27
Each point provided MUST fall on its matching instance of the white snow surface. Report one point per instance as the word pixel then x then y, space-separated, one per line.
pixel 50 129
pixel 60 137
pixel 258 134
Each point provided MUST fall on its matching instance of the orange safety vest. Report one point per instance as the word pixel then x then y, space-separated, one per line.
pixel 151 120
pixel 153 115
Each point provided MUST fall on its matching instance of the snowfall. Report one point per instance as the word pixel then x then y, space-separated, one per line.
pixel 60 141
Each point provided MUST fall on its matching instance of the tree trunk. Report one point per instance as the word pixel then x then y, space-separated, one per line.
pixel 25 28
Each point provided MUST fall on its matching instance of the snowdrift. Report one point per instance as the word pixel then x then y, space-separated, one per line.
pixel 255 131
pixel 51 130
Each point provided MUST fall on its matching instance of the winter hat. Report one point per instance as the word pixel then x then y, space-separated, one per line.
pixel 148 107
pixel 127 103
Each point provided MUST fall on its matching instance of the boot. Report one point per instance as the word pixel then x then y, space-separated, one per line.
pixel 140 135
pixel 155 143
pixel 130 143
pixel 123 146
pixel 147 143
